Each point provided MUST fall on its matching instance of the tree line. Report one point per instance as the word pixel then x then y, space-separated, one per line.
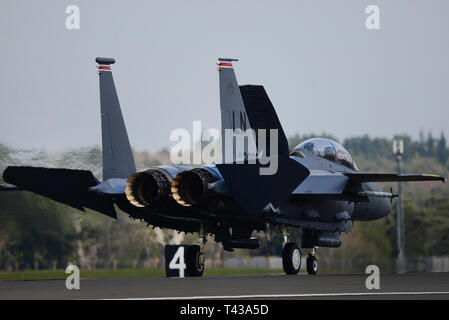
pixel 373 148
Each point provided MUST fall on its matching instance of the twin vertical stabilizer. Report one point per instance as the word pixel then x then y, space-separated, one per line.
pixel 118 161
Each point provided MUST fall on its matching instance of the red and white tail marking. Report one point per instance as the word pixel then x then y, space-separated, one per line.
pixel 104 68
pixel 224 64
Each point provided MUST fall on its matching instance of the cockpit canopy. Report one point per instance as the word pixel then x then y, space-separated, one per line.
pixel 327 149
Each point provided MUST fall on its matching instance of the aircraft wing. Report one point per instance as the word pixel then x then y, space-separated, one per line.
pixel 392 177
pixel 345 185
pixel 322 182
pixel 67 186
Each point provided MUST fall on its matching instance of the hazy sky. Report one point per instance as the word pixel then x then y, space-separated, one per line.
pixel 322 68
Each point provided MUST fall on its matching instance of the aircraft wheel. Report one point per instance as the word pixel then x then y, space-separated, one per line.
pixel 194 261
pixel 312 264
pixel 291 258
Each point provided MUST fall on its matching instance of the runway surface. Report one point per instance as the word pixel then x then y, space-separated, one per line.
pixel 392 286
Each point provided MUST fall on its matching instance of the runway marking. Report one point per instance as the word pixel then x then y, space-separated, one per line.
pixel 292 295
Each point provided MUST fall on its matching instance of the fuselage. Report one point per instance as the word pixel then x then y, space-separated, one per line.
pixel 322 200
pixel 329 177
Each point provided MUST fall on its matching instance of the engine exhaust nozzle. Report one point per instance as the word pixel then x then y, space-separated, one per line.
pixel 146 188
pixel 192 187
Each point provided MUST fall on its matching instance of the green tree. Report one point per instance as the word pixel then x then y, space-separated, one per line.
pixel 430 145
pixel 442 152
pixel 34 230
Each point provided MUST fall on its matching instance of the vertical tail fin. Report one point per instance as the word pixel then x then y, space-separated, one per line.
pixel 261 115
pixel 248 107
pixel 118 161
pixel 233 113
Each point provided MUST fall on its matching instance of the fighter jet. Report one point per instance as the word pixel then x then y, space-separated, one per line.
pixel 317 187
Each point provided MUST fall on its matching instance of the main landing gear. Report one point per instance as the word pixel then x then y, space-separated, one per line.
pixel 195 256
pixel 194 261
pixel 312 263
pixel 291 257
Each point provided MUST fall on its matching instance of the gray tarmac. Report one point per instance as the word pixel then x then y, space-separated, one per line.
pixel 270 286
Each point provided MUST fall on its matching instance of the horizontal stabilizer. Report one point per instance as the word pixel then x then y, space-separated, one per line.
pixel 392 177
pixel 111 187
pixel 67 186
pixel 8 187
pixel 254 191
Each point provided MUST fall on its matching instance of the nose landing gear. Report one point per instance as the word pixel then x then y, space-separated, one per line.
pixel 291 260
pixel 291 257
pixel 312 262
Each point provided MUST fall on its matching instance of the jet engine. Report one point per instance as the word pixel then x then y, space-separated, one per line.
pixel 151 187
pixel 195 187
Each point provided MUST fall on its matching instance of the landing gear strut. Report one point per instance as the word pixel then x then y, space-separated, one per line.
pixel 312 263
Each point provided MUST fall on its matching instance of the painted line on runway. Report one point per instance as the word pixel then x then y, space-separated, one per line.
pixel 293 295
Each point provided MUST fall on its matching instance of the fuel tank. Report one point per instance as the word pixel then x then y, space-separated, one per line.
pixel 375 208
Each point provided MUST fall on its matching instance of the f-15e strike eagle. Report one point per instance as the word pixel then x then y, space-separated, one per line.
pixel 317 186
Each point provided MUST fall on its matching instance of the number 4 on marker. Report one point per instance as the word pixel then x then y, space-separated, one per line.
pixel 178 262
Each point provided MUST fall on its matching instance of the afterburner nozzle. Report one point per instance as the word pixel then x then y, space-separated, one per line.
pixel 192 187
pixel 146 188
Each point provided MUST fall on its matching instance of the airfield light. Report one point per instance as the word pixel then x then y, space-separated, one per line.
pixel 398 146
pixel 398 150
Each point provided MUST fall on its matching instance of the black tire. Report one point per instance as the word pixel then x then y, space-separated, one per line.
pixel 290 260
pixel 312 265
pixel 194 261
